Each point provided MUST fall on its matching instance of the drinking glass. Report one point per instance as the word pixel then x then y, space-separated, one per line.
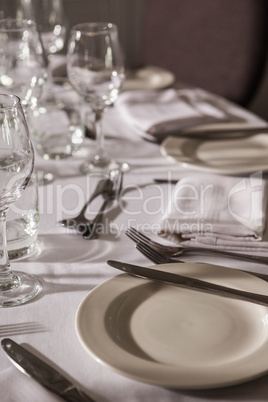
pixel 22 63
pixel 16 166
pixel 95 68
pixel 51 23
pixel 48 14
pixel 23 66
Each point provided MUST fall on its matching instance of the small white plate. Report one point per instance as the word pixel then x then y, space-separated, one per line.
pixel 225 156
pixel 148 78
pixel 175 337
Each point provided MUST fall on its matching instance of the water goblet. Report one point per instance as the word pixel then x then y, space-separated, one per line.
pixel 22 63
pixel 95 68
pixel 16 166
pixel 52 25
pixel 23 67
pixel 48 15
pixel 51 22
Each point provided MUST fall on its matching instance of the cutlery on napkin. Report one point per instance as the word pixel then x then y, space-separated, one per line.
pixel 157 114
pixel 217 211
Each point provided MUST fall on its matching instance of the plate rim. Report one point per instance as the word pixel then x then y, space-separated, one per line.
pixel 169 143
pixel 159 71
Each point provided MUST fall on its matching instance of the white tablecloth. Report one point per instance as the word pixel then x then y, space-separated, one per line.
pixel 69 267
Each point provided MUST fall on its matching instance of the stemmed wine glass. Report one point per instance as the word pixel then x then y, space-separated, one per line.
pixel 48 15
pixel 22 63
pixel 23 67
pixel 52 25
pixel 51 22
pixel 16 166
pixel 95 68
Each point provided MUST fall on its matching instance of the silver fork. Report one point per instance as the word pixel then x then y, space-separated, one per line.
pixel 153 255
pixel 158 258
pixel 91 231
pixel 80 221
pixel 178 251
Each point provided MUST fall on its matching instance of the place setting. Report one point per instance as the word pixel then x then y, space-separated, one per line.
pixel 198 130
pixel 188 322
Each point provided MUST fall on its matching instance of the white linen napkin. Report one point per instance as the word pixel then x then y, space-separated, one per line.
pixel 217 211
pixel 160 113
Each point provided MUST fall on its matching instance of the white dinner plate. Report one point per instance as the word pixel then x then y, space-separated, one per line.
pixel 175 337
pixel 149 77
pixel 225 156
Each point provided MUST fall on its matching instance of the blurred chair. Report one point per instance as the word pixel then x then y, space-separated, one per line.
pixel 217 45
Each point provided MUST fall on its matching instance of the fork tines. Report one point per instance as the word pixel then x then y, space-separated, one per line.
pixel 136 236
pixel 151 254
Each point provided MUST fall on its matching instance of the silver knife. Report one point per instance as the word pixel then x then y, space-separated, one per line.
pixel 229 132
pixel 216 134
pixel 47 376
pixel 189 283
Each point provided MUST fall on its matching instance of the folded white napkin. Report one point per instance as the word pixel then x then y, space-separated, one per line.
pixel 217 211
pixel 160 113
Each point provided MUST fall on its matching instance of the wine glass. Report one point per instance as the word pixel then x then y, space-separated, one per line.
pixel 16 166
pixel 51 22
pixel 95 68
pixel 23 67
pixel 48 14
pixel 22 63
pixel 52 25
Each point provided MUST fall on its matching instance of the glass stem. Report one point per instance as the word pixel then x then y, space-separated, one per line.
pixel 6 276
pixel 49 76
pixel 100 153
pixel 48 87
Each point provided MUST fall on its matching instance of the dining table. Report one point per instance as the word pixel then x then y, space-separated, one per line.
pixel 71 269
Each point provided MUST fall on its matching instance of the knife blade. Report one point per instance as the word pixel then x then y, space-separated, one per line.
pixel 43 373
pixel 212 134
pixel 228 132
pixel 189 283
